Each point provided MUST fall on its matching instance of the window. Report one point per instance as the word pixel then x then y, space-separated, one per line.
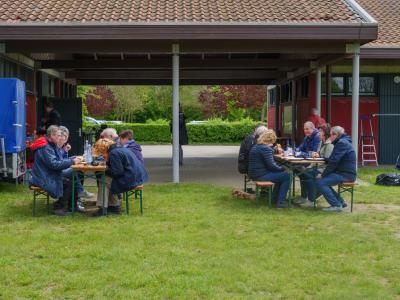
pixel 286 91
pixel 272 96
pixel 337 82
pixel 287 120
pixel 302 88
pixel 367 85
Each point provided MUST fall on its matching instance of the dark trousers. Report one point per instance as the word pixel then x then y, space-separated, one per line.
pixel 281 184
pixel 180 155
pixel 66 199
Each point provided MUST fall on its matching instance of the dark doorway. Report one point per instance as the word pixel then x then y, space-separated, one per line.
pixel 70 110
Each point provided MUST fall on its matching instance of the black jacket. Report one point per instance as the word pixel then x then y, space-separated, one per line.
pixel 244 152
pixel 125 169
pixel 183 135
pixel 342 160
pixel 261 161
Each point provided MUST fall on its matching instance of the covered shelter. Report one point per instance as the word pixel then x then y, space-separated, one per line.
pixel 96 42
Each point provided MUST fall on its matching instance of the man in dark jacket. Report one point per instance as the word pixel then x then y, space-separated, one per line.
pixel 48 167
pixel 245 147
pixel 183 135
pixel 124 172
pixel 126 140
pixel 341 167
pixel 312 140
pixel 53 117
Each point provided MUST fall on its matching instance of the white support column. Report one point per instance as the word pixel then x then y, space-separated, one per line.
pixel 318 90
pixel 175 113
pixel 355 103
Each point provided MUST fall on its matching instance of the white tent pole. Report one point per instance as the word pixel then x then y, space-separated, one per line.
pixel 355 100
pixel 318 90
pixel 175 113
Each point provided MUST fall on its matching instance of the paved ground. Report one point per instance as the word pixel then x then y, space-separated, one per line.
pixel 203 164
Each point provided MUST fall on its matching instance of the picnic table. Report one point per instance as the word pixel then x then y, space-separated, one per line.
pixel 89 171
pixel 297 165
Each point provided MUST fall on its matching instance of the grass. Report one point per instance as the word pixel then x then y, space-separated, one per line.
pixel 197 242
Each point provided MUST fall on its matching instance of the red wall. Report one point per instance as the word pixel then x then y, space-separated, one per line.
pixel 271 117
pixel 30 113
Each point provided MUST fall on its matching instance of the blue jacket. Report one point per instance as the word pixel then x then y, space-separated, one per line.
pixel 261 161
pixel 136 149
pixel 125 169
pixel 310 143
pixel 47 169
pixel 342 160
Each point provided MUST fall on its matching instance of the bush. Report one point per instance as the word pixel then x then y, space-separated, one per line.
pixel 213 132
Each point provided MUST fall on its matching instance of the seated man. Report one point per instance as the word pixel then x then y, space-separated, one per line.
pixel 247 143
pixel 48 167
pixel 308 178
pixel 124 172
pixel 64 148
pixel 126 140
pixel 310 144
pixel 341 167
pixel 262 167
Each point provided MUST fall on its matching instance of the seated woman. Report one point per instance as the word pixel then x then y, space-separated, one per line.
pixel 308 178
pixel 262 166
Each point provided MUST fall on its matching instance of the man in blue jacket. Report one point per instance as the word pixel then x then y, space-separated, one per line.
pixel 341 167
pixel 124 172
pixel 48 167
pixel 312 142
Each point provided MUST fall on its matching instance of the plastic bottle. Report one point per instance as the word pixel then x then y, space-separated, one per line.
pixel 85 150
pixel 89 158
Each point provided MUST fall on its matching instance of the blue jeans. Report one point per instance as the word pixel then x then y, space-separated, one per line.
pixel 281 184
pixel 307 180
pixel 67 173
pixel 324 185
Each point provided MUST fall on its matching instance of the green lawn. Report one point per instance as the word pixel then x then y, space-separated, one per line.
pixel 196 241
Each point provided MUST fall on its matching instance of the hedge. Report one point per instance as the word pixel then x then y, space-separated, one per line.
pixel 207 133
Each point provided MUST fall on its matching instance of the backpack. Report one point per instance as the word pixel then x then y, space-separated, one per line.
pixel 388 179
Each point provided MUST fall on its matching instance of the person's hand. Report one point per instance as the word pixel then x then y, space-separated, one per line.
pixel 315 155
pixel 76 160
pixel 67 147
pixel 318 176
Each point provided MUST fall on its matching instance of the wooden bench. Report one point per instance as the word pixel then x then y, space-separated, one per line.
pixel 264 185
pixel 37 192
pixel 135 191
pixel 349 188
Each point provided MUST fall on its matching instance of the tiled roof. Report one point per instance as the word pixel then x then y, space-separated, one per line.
pixel 387 14
pixel 203 11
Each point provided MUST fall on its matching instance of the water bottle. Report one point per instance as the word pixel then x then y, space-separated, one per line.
pixel 89 158
pixel 85 150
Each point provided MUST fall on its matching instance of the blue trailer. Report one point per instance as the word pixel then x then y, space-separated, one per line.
pixel 12 127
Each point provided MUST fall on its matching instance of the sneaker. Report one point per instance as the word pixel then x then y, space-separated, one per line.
pixel 97 213
pixel 344 204
pixel 114 210
pixel 282 205
pixel 79 207
pixel 308 203
pixel 333 209
pixel 85 194
pixel 300 200
pixel 60 212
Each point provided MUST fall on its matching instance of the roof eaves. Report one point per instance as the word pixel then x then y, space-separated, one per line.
pixel 101 24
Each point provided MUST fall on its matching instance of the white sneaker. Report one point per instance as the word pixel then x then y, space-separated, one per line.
pixel 308 203
pixel 333 209
pixel 85 194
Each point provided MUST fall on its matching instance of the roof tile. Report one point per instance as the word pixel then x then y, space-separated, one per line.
pixel 203 11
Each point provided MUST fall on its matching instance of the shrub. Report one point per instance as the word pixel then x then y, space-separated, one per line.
pixel 213 132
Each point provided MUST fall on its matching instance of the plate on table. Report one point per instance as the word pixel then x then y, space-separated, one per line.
pixel 294 158
pixel 318 159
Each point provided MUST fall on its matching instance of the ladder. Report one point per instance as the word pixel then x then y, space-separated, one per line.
pixel 367 141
